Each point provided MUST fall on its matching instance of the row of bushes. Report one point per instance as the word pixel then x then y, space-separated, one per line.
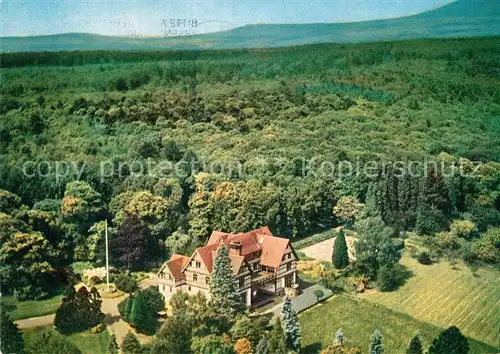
pixel 311 240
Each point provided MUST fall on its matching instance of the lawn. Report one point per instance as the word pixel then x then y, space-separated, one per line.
pixel 87 342
pixel 444 295
pixel 359 318
pixel 31 308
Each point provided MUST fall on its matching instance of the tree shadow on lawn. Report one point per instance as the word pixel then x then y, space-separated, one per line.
pixel 400 277
pixel 312 348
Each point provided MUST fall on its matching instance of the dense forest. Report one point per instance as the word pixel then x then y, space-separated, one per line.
pixel 168 146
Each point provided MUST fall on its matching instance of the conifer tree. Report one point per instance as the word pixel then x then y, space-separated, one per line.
pixel 263 346
pixel 277 343
pixel 376 347
pixel 140 315
pixel 225 300
pixel 113 346
pixel 128 308
pixel 340 257
pixel 415 346
pixel 131 344
pixel 450 341
pixel 291 326
pixel 339 337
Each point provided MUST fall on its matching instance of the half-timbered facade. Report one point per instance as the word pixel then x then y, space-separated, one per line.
pixel 263 265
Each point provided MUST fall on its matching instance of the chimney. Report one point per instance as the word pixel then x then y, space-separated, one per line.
pixel 235 247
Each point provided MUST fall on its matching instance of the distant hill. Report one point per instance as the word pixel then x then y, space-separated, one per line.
pixel 463 18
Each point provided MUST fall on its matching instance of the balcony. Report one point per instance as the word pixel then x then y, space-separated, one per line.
pixel 262 277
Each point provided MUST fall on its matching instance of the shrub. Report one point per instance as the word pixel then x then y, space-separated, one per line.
pixel 424 258
pixel 399 244
pixel 308 241
pixel 121 84
pixel 126 283
pixel 99 328
pixel 94 275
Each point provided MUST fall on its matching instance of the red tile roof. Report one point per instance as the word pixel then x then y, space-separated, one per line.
pixel 272 250
pixel 206 255
pixel 175 264
pixel 260 239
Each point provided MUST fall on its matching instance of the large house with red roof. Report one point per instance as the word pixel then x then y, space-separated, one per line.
pixel 263 265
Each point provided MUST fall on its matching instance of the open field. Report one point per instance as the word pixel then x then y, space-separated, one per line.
pixel 444 296
pixel 358 319
pixel 25 309
pixel 87 342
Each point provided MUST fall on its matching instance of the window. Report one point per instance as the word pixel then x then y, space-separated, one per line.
pixel 189 288
pixel 207 279
pixel 242 282
pixel 198 265
pixel 288 266
pixel 170 288
pixel 195 277
pixel 169 277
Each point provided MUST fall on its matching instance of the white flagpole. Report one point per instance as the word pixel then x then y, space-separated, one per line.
pixel 107 260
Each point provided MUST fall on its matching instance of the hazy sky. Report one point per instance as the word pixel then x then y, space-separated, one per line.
pixel 153 17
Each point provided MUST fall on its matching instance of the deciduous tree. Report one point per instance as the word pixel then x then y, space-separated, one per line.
pixel 27 261
pixel 53 342
pixel 79 310
pixel 243 346
pixel 11 338
pixel 130 243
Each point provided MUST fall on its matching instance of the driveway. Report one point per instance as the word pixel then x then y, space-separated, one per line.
pixel 35 322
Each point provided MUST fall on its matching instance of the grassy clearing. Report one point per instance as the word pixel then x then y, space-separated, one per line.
pixel 31 308
pixel 444 295
pixel 358 319
pixel 87 342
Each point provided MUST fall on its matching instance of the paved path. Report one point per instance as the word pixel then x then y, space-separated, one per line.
pixel 35 321
pixel 109 307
